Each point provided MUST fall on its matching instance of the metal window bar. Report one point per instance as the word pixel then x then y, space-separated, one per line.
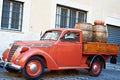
pixel 12 15
pixel 67 17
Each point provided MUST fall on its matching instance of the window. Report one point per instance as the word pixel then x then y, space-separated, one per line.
pixel 12 15
pixel 67 17
pixel 72 36
pixel 51 35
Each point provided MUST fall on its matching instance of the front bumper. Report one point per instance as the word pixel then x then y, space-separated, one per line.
pixel 10 65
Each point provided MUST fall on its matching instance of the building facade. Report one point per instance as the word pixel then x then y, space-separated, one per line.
pixel 26 19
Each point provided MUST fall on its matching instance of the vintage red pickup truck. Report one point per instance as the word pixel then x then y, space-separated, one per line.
pixel 58 49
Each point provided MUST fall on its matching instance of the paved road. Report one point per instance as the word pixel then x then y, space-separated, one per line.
pixel 111 73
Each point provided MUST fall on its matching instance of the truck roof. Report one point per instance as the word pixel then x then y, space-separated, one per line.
pixel 64 29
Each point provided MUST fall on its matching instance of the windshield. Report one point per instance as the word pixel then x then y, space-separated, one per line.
pixel 51 35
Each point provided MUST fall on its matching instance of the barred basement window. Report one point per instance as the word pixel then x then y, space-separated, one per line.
pixel 12 13
pixel 67 17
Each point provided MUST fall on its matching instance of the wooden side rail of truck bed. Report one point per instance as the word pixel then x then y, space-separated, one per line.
pixel 100 48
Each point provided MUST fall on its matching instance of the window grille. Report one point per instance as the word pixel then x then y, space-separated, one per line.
pixel 12 13
pixel 67 17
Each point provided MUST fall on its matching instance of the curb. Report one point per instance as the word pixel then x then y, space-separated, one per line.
pixel 113 66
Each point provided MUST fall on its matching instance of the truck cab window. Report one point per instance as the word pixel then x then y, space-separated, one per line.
pixel 72 36
pixel 51 35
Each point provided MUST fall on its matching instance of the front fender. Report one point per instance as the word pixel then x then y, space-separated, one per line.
pixel 5 54
pixel 22 59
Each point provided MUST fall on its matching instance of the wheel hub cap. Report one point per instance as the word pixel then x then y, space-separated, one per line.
pixel 95 67
pixel 33 67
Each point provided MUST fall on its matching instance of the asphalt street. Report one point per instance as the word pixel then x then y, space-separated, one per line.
pixel 112 72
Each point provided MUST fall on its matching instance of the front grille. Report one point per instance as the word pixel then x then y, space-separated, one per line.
pixel 12 50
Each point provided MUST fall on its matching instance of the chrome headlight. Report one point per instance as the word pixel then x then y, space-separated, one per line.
pixel 22 49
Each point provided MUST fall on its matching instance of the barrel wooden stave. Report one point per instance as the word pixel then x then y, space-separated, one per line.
pixel 99 28
pixel 100 37
pixel 87 29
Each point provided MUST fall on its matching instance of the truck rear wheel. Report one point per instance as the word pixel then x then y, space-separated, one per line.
pixel 33 68
pixel 96 68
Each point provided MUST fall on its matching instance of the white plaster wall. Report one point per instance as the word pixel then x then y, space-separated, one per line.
pixel 43 12
pixel 112 20
pixel 7 37
pixel 41 15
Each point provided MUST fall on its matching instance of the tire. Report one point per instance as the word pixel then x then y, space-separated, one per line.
pixel 33 68
pixel 95 68
pixel 11 70
pixel 113 60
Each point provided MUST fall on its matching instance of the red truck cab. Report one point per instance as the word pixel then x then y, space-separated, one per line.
pixel 58 49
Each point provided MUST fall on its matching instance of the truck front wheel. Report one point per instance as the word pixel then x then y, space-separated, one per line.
pixel 96 68
pixel 33 68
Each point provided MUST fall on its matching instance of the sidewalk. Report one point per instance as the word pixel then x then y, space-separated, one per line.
pixel 113 66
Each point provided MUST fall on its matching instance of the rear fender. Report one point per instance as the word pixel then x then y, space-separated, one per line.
pixel 22 59
pixel 100 57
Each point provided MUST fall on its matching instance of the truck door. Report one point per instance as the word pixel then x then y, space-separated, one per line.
pixel 69 50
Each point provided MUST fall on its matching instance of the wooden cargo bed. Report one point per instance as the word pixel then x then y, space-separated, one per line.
pixel 100 48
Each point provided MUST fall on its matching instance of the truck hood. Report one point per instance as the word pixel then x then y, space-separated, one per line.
pixel 39 43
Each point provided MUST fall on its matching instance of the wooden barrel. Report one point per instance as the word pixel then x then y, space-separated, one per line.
pixel 100 33
pixel 84 26
pixel 87 35
pixel 100 37
pixel 99 28
pixel 87 29
pixel 99 22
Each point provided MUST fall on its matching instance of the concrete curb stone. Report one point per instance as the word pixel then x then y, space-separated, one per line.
pixel 113 66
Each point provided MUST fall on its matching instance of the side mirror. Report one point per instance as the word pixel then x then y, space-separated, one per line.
pixel 41 35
